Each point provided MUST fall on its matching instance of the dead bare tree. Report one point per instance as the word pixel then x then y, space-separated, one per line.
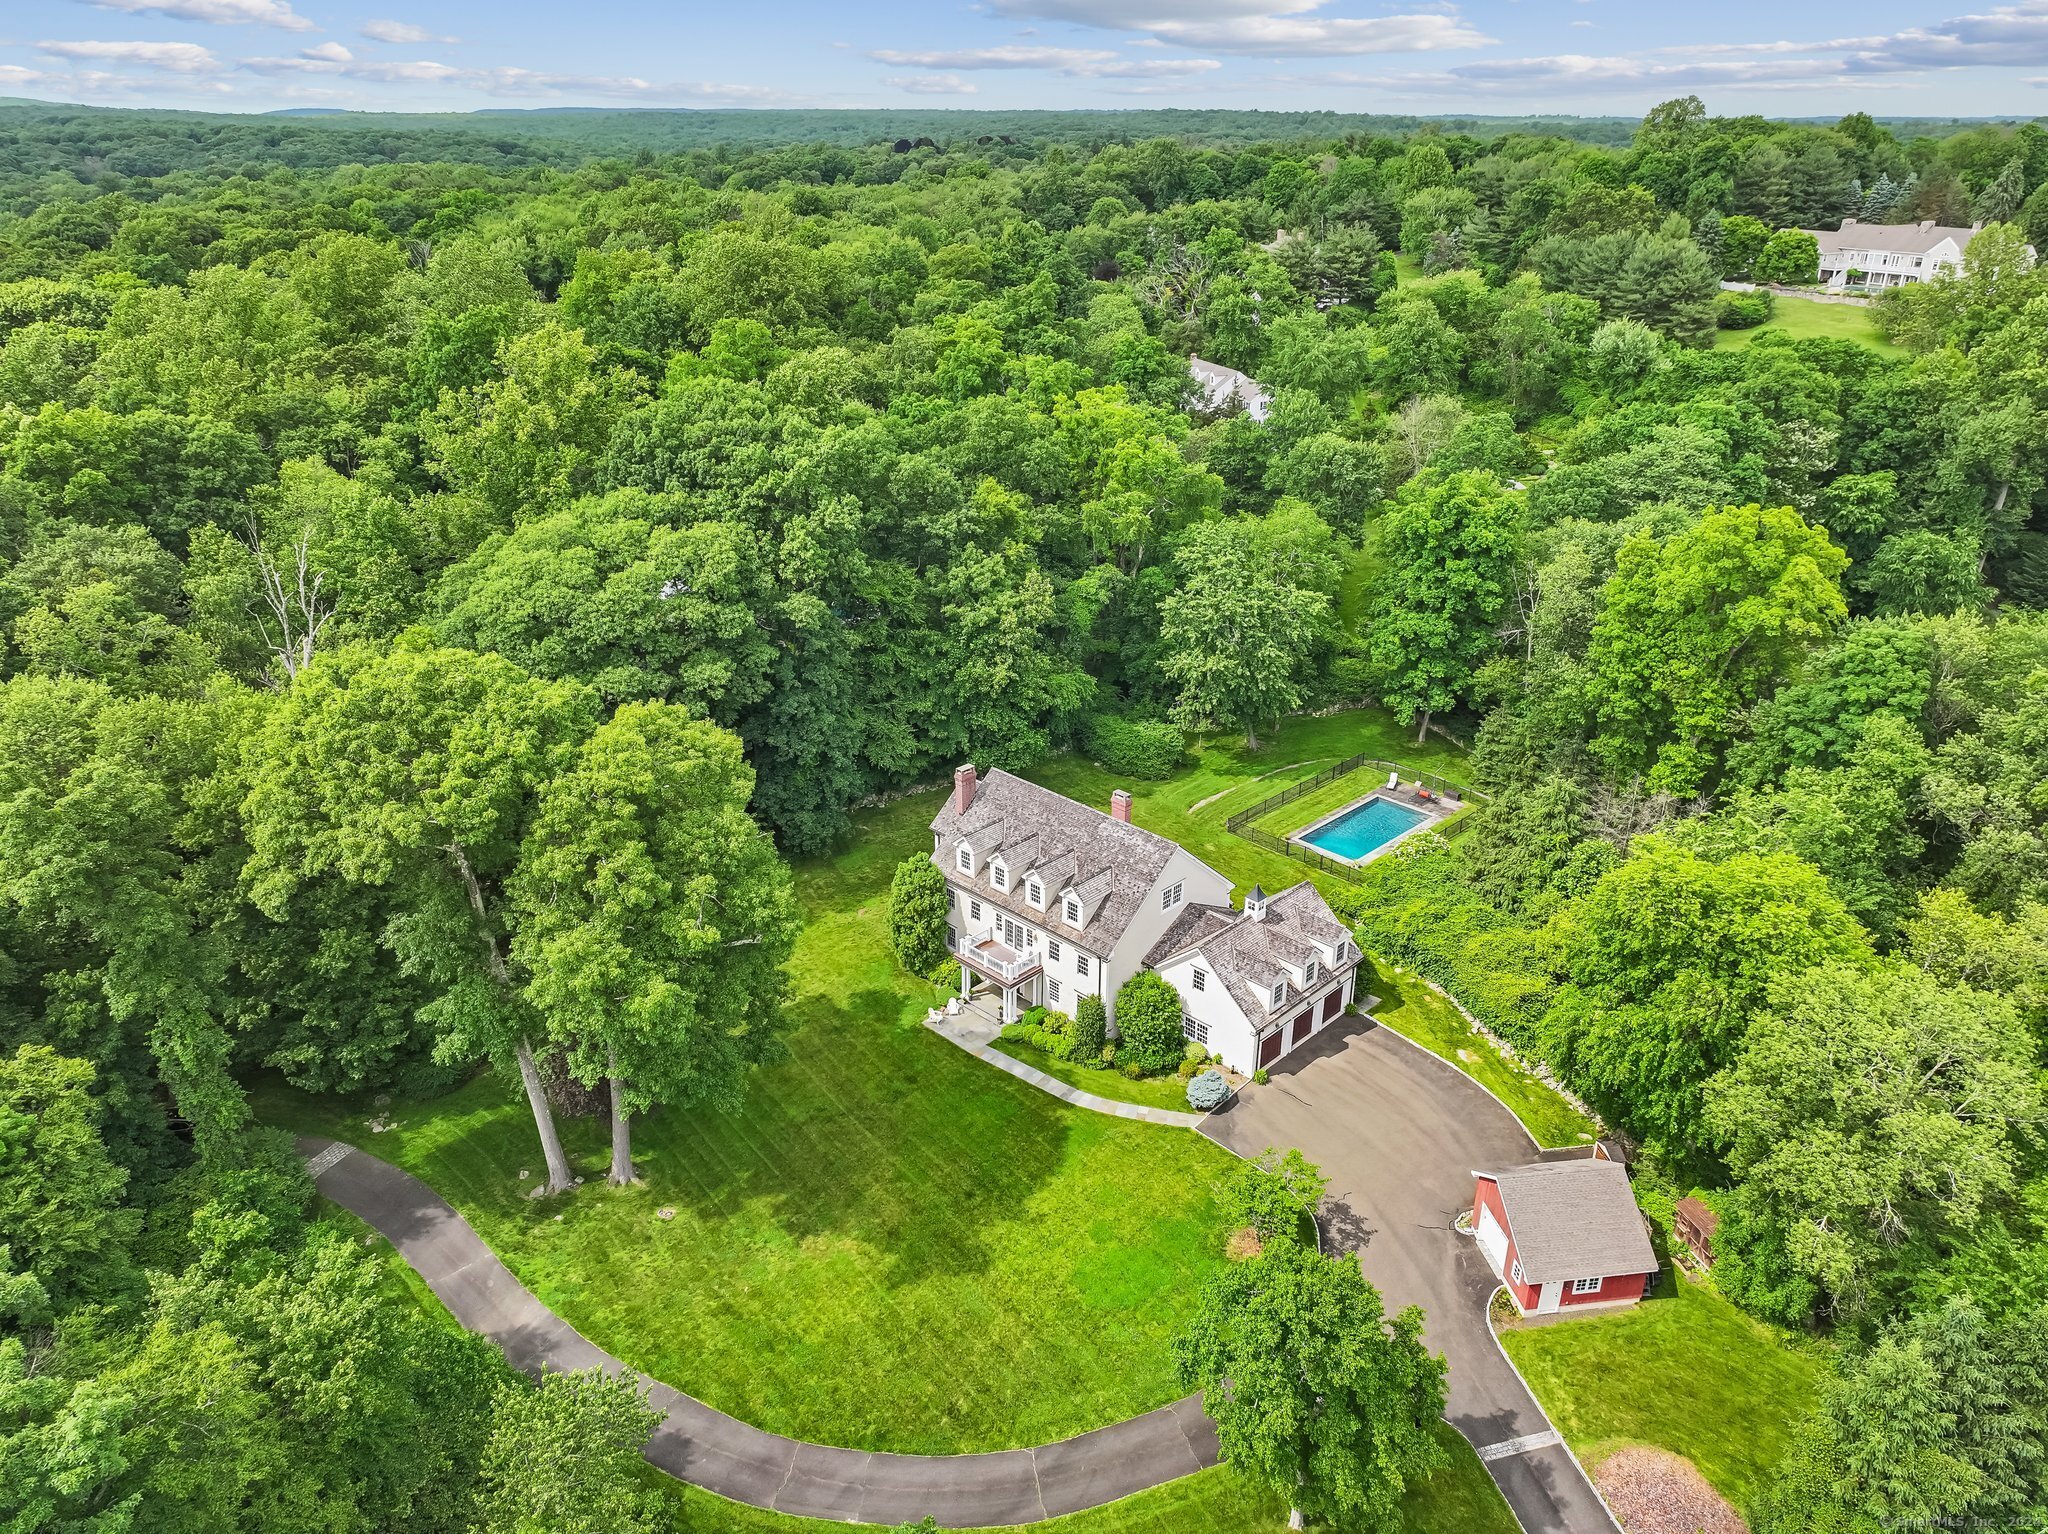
pixel 295 610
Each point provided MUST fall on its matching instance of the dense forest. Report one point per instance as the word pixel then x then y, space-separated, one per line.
pixel 440 585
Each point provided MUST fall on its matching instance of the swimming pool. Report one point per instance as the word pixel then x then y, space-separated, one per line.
pixel 1364 828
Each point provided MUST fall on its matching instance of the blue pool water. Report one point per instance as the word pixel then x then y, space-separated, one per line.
pixel 1358 831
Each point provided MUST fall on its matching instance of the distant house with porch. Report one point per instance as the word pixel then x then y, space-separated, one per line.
pixel 1223 390
pixel 1052 900
pixel 1873 257
pixel 1564 1233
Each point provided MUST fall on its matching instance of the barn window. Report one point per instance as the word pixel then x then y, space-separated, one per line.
pixel 1586 1286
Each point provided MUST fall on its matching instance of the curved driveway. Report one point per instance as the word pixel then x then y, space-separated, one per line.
pixel 705 1447
pixel 1399 1134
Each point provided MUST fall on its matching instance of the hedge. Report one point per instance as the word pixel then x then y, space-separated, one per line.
pixel 1135 748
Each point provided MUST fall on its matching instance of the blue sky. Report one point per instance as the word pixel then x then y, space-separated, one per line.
pixel 1453 56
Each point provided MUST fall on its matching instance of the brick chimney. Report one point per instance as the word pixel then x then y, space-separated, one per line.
pixel 1120 806
pixel 963 787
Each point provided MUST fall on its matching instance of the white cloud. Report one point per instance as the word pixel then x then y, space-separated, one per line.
pixel 1078 63
pixel 177 58
pixel 1268 27
pixel 333 53
pixel 1576 73
pixel 513 81
pixel 932 85
pixel 254 13
pixel 401 32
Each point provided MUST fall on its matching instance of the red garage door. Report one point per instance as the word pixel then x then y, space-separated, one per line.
pixel 1303 1022
pixel 1269 1048
pixel 1332 1003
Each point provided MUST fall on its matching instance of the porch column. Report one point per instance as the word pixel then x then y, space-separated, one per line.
pixel 1009 1004
pixel 966 982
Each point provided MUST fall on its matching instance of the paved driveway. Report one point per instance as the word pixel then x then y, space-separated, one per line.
pixel 1399 1133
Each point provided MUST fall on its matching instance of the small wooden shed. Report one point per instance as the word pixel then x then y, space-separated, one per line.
pixel 1696 1224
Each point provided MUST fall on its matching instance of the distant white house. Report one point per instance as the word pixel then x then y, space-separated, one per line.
pixel 1889 255
pixel 1052 901
pixel 1222 388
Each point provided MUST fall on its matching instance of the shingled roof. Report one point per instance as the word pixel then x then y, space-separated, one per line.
pixel 1574 1219
pixel 1247 954
pixel 1906 239
pixel 1111 863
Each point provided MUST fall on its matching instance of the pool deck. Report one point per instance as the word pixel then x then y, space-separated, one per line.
pixel 1434 808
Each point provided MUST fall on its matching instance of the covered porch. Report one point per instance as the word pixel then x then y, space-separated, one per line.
pixel 996 977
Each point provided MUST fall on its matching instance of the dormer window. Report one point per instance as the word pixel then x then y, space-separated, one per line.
pixel 1308 975
pixel 1070 911
pixel 1279 992
pixel 964 859
pixel 1035 893
pixel 999 876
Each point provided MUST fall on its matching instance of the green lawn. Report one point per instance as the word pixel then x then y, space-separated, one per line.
pixel 1459 1500
pixel 1413 1010
pixel 1804 317
pixel 1149 1091
pixel 1689 1373
pixel 893 1246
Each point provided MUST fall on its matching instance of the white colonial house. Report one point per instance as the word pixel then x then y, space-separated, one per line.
pixel 1052 901
pixel 1889 255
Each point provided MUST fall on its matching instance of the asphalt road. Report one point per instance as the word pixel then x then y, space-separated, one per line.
pixel 707 1448
pixel 1399 1134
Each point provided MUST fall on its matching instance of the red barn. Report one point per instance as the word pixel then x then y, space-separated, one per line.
pixel 1564 1233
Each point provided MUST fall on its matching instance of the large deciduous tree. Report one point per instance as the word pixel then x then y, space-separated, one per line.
pixel 1697 627
pixel 653 916
pixel 1314 1392
pixel 1872 1110
pixel 1664 962
pixel 1449 550
pixel 420 768
pixel 564 1458
pixel 1239 631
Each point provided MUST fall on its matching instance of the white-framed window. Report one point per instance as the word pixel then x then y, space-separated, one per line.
pixel 1070 911
pixel 1309 974
pixel 1201 978
pixel 974 910
pixel 1035 893
pixel 1080 963
pixel 964 859
pixel 1052 949
pixel 1279 993
pixel 1515 1272
pixel 1052 991
pixel 1586 1286
pixel 1169 897
pixel 999 876
pixel 1194 1028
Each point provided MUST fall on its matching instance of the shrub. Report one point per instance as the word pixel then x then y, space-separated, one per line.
pixel 1207 1091
pixel 1790 255
pixel 918 902
pixel 1744 311
pixel 1148 1023
pixel 1137 748
pixel 1272 1194
pixel 1091 1028
pixel 1261 1076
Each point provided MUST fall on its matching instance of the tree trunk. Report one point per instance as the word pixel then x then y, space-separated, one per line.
pixel 1251 737
pixel 1423 734
pixel 622 1125
pixel 1294 1519
pixel 560 1178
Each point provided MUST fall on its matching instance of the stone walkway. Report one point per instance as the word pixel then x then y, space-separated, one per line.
pixel 722 1454
pixel 975 1032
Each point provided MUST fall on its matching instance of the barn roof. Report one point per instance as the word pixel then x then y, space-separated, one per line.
pixel 1574 1219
